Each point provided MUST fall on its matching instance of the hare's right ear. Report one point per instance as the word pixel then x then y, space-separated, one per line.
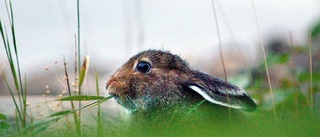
pixel 220 92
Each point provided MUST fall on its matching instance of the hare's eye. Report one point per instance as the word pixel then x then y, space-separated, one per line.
pixel 143 67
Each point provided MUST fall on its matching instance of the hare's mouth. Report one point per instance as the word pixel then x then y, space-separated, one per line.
pixel 123 98
pixel 126 101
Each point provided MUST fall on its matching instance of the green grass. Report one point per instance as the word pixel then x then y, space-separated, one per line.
pixel 291 110
pixel 261 123
pixel 11 48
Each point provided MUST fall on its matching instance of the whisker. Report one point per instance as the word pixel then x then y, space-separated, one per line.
pixel 131 100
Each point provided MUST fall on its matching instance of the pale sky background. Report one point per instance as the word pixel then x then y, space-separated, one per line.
pixel 114 30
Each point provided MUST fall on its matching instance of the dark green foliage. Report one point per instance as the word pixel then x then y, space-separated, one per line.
pixel 294 97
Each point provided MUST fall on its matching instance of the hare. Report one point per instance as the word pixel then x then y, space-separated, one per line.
pixel 156 80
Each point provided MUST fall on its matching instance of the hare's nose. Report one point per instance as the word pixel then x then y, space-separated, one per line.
pixel 110 90
pixel 110 80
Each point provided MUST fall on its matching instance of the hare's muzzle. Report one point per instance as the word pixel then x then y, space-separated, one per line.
pixel 117 87
pixel 110 87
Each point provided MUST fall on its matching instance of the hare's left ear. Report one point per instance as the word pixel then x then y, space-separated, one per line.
pixel 220 92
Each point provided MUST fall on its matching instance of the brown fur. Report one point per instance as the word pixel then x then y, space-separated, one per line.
pixel 166 87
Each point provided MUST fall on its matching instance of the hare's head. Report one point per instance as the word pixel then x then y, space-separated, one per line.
pixel 156 79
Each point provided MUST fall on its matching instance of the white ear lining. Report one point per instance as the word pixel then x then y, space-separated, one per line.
pixel 212 100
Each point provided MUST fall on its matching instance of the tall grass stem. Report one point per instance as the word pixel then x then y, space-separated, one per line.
pixel 16 51
pixel 75 117
pixel 13 98
pixel 79 54
pixel 99 121
pixel 293 68
pixel 79 36
pixel 311 70
pixel 220 51
pixel 14 63
pixel 266 65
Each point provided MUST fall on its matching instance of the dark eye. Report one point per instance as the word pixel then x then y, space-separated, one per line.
pixel 143 67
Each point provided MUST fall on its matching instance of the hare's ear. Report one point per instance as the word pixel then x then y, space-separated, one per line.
pixel 220 92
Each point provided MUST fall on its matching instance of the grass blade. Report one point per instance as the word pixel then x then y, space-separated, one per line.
pixel 99 121
pixel 310 70
pixel 13 98
pixel 17 74
pixel 67 112
pixel 41 125
pixel 266 65
pixel 78 21
pixel 75 116
pixel 14 65
pixel 98 102
pixel 194 108
pixel 220 51
pixel 24 99
pixel 2 34
pixel 60 113
pixel 80 98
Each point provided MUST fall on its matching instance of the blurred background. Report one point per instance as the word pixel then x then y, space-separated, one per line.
pixel 112 31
